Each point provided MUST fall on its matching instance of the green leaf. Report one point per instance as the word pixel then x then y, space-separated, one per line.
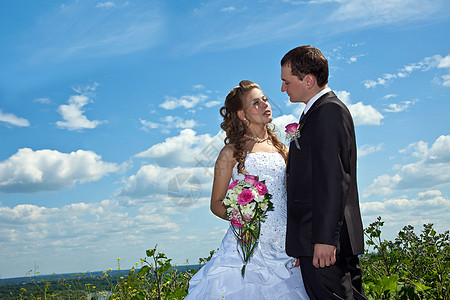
pixel 421 288
pixel 151 252
pixel 144 271
pixel 138 296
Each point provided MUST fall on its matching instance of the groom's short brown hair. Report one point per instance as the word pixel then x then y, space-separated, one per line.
pixel 306 60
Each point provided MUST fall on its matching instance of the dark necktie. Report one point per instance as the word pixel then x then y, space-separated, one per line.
pixel 301 117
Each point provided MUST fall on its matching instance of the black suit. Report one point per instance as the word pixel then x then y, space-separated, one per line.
pixel 323 205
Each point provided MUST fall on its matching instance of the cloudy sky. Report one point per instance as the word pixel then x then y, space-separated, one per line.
pixel 109 122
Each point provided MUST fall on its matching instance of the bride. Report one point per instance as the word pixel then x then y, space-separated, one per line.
pixel 251 148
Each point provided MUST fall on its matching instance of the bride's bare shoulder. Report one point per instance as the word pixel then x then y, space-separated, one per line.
pixel 227 153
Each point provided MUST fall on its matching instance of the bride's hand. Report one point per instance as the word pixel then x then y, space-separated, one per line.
pixel 297 263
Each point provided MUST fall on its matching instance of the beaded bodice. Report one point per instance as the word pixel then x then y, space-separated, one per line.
pixel 271 168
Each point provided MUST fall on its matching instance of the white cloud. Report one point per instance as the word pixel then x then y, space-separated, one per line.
pixel 187 157
pixel 369 149
pixel 395 107
pixel 168 122
pixel 347 55
pixel 429 200
pixel 30 171
pixel 435 61
pixel 352 59
pixel 157 183
pixel 362 114
pixel 101 231
pixel 365 114
pixel 43 100
pixel 188 101
pixel 11 119
pixel 22 214
pixel 444 62
pixel 146 125
pixel 212 103
pixel 73 113
pixel 389 96
pixel 427 207
pixel 431 170
pixel 186 149
pixel 280 124
pixel 446 80
pixel 228 9
pixel 106 4
pixel 373 12
pixel 177 122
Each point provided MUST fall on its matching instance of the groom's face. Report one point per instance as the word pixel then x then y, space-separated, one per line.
pixel 293 86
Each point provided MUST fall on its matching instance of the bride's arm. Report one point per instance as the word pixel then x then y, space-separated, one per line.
pixel 222 174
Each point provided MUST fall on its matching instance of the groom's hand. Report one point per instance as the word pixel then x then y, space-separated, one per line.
pixel 324 255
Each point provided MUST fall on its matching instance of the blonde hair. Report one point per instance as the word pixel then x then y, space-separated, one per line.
pixel 235 128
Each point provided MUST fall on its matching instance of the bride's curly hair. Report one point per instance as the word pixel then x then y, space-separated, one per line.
pixel 235 128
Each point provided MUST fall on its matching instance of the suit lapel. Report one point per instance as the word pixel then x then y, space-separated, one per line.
pixel 316 104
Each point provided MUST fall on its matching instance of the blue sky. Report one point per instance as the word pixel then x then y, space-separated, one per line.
pixel 109 123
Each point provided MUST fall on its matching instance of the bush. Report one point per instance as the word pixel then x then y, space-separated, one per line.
pixel 410 267
pixel 157 279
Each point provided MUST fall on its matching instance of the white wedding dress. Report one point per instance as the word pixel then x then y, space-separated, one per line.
pixel 270 273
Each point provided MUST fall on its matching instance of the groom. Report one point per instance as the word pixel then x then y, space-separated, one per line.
pixel 324 227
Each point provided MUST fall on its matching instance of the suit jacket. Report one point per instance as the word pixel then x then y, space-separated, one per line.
pixel 323 205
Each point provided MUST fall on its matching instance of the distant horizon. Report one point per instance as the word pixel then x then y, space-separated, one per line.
pixel 110 124
pixel 87 273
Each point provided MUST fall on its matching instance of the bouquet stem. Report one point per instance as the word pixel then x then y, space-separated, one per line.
pixel 247 237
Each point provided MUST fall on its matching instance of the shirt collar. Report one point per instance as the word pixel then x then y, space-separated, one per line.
pixel 313 99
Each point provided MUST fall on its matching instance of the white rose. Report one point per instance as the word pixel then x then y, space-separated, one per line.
pixel 259 198
pixel 233 196
pixel 263 206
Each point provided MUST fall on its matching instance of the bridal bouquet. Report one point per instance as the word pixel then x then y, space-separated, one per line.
pixel 247 201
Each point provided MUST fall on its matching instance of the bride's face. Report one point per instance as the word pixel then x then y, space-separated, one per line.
pixel 257 108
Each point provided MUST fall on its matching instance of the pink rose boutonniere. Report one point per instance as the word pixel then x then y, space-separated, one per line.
pixel 293 132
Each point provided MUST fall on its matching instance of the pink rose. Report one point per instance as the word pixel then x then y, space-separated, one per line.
pixel 291 128
pixel 252 179
pixel 245 197
pixel 261 187
pixel 233 184
pixel 236 223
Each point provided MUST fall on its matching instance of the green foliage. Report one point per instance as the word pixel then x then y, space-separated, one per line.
pixel 78 286
pixel 203 261
pixel 410 267
pixel 157 279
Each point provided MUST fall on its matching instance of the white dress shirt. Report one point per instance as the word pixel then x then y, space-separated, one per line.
pixel 313 99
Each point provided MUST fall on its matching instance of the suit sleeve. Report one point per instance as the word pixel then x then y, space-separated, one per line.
pixel 330 172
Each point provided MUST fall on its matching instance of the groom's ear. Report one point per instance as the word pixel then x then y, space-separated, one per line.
pixel 310 80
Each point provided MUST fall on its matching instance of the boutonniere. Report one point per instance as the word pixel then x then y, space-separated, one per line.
pixel 293 132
